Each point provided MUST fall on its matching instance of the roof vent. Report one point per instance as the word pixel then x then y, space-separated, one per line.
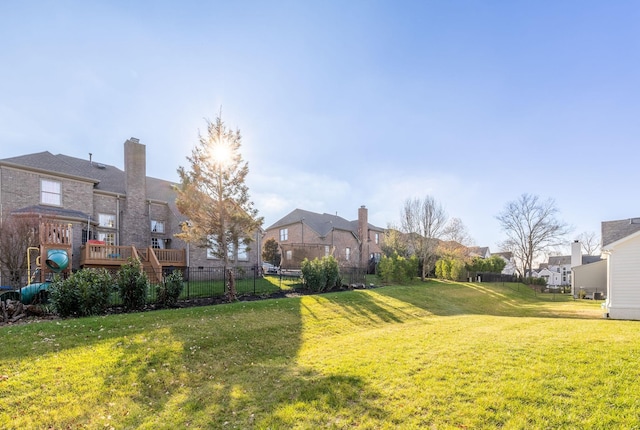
pixel 100 166
pixel 634 221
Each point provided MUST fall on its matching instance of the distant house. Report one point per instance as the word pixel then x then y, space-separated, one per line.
pixel 560 266
pixel 479 251
pixel 510 264
pixel 303 234
pixel 552 278
pixel 621 247
pixel 110 211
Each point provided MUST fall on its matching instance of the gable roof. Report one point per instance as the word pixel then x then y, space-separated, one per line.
pixel 105 177
pixel 480 251
pixel 613 231
pixel 320 223
pixel 507 255
pixel 559 260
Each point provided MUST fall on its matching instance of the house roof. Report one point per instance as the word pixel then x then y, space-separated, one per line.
pixel 507 255
pixel 320 223
pixel 105 177
pixel 564 260
pixel 559 260
pixel 52 211
pixel 588 259
pixel 613 231
pixel 479 250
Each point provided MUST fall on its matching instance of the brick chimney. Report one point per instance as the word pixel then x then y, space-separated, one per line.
pixel 136 229
pixel 363 234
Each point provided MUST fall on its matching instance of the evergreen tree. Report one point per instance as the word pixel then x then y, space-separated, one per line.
pixel 214 197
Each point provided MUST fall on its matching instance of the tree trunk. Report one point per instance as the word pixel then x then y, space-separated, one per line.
pixel 231 286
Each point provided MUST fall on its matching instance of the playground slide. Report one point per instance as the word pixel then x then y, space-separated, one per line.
pixel 57 260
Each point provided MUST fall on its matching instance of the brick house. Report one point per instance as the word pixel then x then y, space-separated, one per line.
pixel 302 234
pixel 105 205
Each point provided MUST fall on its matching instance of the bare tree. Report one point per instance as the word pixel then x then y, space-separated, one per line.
pixel 17 234
pixel 423 221
pixel 531 228
pixel 456 231
pixel 395 242
pixel 590 242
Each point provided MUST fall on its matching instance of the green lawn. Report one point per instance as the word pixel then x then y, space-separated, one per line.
pixel 431 355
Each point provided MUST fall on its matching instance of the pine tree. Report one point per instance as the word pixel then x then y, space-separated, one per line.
pixel 214 197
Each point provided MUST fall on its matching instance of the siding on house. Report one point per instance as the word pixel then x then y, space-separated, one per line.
pixel 590 278
pixel 621 245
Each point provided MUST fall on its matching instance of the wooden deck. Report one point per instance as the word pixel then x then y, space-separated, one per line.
pixel 100 255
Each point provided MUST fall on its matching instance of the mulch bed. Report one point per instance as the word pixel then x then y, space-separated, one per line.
pixel 34 313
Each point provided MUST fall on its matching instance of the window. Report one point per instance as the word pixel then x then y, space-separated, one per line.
pixel 289 255
pixel 347 253
pixel 50 192
pixel 157 226
pixel 107 220
pixel 377 238
pixel 243 254
pixel 107 238
pixel 326 250
pixel 157 243
pixel 284 234
pixel 212 250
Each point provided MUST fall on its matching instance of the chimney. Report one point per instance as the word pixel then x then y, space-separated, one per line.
pixel 363 234
pixel 136 228
pixel 576 254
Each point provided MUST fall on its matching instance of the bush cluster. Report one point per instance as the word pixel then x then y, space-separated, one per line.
pixel 397 268
pixel 169 291
pixel 320 274
pixel 88 291
pixel 535 281
pixel 450 268
pixel 84 293
pixel 133 285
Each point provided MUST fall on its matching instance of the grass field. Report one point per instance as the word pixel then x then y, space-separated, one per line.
pixel 431 355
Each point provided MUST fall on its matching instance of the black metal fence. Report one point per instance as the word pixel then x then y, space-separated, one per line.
pixel 212 282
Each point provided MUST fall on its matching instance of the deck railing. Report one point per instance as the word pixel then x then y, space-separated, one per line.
pixel 110 255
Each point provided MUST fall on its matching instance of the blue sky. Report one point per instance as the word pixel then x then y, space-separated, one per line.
pixel 345 103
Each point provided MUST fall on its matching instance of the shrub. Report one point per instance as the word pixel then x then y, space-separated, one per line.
pixel 320 274
pixel 84 293
pixel 132 285
pixel 397 268
pixel 536 281
pixel 450 268
pixel 169 291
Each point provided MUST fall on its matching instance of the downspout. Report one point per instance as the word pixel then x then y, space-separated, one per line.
pixel 118 220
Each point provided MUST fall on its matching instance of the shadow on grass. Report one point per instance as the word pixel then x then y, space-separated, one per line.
pixel 226 365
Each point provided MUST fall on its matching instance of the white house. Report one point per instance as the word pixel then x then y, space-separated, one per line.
pixel 510 264
pixel 621 247
pixel 552 278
